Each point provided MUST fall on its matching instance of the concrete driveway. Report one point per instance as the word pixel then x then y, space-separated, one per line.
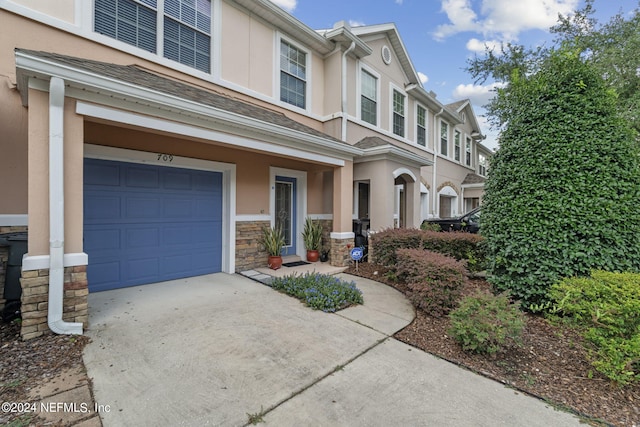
pixel 215 349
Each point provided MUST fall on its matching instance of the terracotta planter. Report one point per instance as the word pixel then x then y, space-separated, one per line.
pixel 312 256
pixel 275 262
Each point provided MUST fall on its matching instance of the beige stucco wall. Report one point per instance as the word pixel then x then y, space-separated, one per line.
pixel 247 50
pixel 38 196
pixel 61 9
pixel 252 168
pixel 13 150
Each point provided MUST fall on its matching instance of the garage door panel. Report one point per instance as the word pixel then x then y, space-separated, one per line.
pixel 143 207
pixel 179 207
pixel 175 180
pixel 101 239
pixel 142 177
pixel 103 175
pixel 102 207
pixel 143 237
pixel 142 232
pixel 142 269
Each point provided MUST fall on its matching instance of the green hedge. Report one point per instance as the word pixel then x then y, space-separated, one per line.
pixel 607 307
pixel 459 245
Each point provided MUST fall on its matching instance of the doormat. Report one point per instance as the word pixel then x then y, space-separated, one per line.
pixel 295 263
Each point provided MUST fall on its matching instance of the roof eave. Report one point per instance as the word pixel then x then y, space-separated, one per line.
pixel 287 23
pixel 28 66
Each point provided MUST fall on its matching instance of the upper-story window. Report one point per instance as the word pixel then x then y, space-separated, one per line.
pixel 293 75
pixel 444 139
pixel 482 164
pixel 468 152
pixel 421 124
pixel 398 113
pixel 456 145
pixel 369 98
pixel 186 27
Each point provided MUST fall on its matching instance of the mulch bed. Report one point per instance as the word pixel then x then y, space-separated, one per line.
pixel 24 365
pixel 551 364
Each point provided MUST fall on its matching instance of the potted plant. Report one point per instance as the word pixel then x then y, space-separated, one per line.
pixel 273 241
pixel 312 237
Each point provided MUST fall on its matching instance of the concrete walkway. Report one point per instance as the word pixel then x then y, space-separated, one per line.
pixel 219 349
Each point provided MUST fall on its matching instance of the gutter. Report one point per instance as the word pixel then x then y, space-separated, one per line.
pixel 56 211
pixel 344 90
pixel 435 158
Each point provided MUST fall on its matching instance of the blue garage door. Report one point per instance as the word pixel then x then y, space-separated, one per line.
pixel 145 224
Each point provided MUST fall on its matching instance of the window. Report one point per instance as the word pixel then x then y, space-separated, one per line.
pixel 482 165
pixel 293 75
pixel 456 142
pixel 444 139
pixel 187 29
pixel 468 152
pixel 369 98
pixel 128 21
pixel 186 23
pixel 421 120
pixel 398 113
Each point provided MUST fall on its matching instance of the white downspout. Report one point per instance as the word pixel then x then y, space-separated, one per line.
pixel 56 211
pixel 344 90
pixel 435 162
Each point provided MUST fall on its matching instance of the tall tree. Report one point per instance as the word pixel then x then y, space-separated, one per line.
pixel 562 193
pixel 612 48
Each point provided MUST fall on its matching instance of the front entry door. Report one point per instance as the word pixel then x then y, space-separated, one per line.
pixel 286 212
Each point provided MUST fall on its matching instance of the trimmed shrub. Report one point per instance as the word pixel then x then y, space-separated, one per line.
pixel 607 307
pixel 561 197
pixel 486 323
pixel 461 246
pixel 435 281
pixel 319 291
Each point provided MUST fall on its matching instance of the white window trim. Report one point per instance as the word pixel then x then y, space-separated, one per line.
pixel 86 13
pixel 439 148
pixel 393 87
pixel 371 71
pixel 426 125
pixel 279 37
pixel 460 138
pixel 470 140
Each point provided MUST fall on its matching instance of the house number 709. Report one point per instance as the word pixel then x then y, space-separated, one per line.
pixel 165 157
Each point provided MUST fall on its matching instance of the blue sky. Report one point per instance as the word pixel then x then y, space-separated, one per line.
pixel 440 35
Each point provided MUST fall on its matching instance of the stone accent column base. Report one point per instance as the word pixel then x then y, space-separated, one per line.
pixel 248 252
pixel 340 248
pixel 35 299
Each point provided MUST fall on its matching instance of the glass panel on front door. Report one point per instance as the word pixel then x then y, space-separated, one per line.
pixel 284 210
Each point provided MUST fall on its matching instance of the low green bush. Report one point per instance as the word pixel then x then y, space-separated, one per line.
pixel 459 245
pixel 606 306
pixel 435 281
pixel 486 323
pixel 319 291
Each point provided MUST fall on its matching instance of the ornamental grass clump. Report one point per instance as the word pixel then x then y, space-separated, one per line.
pixel 320 291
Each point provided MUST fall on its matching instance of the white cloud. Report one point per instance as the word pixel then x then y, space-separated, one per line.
pixel 423 77
pixel 355 23
pixel 399 1
pixel 479 46
pixel 502 19
pixel 288 5
pixel 478 94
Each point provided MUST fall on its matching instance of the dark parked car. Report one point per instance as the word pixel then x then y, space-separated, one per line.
pixel 469 222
